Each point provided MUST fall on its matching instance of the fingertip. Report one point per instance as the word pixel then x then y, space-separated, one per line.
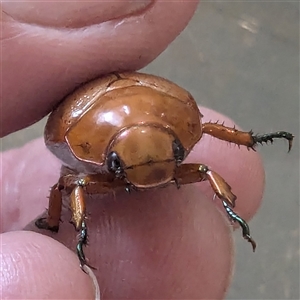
pixel 36 266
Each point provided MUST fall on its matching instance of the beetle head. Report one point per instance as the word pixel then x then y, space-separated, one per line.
pixel 146 156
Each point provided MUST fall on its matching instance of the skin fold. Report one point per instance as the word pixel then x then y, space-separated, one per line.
pixel 167 243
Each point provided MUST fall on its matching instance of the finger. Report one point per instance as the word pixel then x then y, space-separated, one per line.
pixel 123 230
pixel 166 244
pixel 52 55
pixel 29 172
pixel 26 177
pixel 34 266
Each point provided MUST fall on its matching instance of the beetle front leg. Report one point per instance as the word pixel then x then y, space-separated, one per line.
pixel 247 139
pixel 54 210
pixel 78 210
pixel 191 173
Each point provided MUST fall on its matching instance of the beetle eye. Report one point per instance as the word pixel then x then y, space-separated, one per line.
pixel 179 151
pixel 114 162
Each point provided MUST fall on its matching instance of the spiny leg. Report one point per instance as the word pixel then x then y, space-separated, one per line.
pixel 247 139
pixel 51 222
pixel 245 228
pixel 190 173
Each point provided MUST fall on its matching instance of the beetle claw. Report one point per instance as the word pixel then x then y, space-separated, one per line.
pixel 42 223
pixel 128 189
pixel 176 182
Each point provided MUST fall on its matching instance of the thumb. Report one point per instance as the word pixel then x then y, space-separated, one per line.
pixel 34 266
pixel 48 48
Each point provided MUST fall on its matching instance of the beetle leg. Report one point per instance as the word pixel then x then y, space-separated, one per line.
pixel 54 211
pixel 245 227
pixel 77 205
pixel 190 173
pixel 247 139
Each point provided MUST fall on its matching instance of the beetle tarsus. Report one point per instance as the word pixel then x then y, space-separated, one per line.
pixel 268 137
pixel 245 227
pixel 82 241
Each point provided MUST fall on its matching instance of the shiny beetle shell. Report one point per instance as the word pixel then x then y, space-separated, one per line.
pixel 133 131
pixel 140 117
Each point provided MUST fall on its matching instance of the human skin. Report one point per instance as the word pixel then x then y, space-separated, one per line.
pixel 167 243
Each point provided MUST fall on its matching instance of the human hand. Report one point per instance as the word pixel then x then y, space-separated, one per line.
pixel 156 244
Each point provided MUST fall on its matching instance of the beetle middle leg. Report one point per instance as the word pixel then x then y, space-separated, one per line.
pixel 191 173
pixel 247 139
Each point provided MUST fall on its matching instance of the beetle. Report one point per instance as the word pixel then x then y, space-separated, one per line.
pixel 132 131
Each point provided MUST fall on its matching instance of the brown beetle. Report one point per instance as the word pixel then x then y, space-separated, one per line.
pixel 132 131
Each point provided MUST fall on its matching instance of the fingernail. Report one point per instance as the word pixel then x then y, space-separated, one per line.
pixel 72 14
pixel 93 277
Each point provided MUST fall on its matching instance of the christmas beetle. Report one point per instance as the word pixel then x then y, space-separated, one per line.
pixel 132 131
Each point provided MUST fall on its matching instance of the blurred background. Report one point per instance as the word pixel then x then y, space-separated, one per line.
pixel 242 59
